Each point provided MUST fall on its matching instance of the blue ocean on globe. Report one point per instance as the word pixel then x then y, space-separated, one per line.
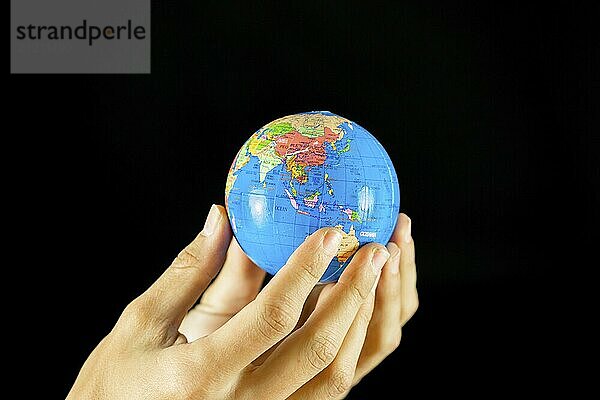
pixel 306 171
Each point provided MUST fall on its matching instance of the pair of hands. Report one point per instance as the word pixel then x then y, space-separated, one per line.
pixel 290 340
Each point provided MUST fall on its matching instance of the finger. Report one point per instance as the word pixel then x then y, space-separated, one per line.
pixel 338 378
pixel 313 347
pixel 397 234
pixel 276 310
pixel 311 302
pixel 309 306
pixel 408 269
pixel 237 284
pixel 385 331
pixel 178 288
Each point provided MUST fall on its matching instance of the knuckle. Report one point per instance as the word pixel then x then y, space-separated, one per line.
pixel 311 267
pixel 389 342
pixel 189 262
pixel 339 381
pixel 321 352
pixel 412 307
pixel 364 315
pixel 415 305
pixel 135 319
pixel 188 257
pixel 360 290
pixel 276 321
pixel 137 313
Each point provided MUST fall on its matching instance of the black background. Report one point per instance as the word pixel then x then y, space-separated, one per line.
pixel 486 112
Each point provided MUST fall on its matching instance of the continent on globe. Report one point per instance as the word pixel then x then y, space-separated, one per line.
pixel 306 171
pixel 348 246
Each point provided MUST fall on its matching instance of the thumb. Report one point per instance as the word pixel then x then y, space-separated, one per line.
pixel 179 287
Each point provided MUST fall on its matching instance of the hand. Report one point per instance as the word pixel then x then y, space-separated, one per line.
pixel 396 301
pixel 145 356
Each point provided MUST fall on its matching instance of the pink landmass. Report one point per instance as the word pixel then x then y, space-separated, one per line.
pixel 292 200
pixel 308 151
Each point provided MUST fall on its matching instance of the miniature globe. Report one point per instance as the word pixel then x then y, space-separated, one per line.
pixel 306 171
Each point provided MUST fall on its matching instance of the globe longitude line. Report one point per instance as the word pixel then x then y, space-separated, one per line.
pixel 342 166
pixel 357 149
pixel 274 228
pixel 394 199
pixel 377 150
pixel 322 179
pixel 324 184
pixel 388 166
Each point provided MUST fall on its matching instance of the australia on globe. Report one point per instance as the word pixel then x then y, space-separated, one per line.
pixel 306 171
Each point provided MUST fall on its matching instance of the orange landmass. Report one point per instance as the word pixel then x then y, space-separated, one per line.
pixel 348 246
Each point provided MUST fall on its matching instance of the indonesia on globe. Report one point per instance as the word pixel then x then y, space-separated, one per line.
pixel 306 171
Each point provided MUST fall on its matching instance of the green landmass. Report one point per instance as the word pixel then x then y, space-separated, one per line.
pixel 312 196
pixel 346 147
pixel 294 191
pixel 280 129
pixel 310 131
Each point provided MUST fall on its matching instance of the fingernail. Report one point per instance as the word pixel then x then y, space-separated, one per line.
pixel 406 236
pixel 332 240
pixel 394 255
pixel 379 259
pixel 212 221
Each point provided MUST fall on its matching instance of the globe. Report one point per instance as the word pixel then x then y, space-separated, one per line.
pixel 306 171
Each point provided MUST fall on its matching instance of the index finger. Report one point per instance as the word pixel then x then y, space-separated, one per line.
pixel 276 310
